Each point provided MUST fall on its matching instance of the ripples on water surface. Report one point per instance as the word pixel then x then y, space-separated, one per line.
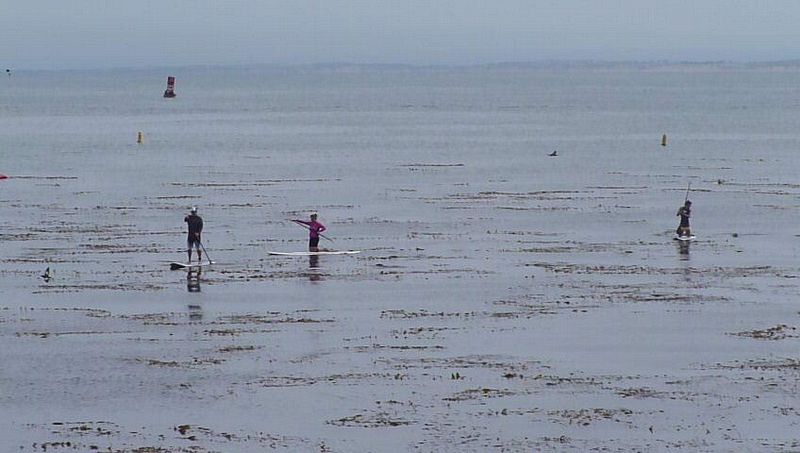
pixel 503 298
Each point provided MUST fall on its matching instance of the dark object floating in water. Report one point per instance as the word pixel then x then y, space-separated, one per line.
pixel 170 91
pixel 2 176
pixel 47 276
pixel 553 154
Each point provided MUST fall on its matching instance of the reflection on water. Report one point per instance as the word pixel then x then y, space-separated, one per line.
pixel 683 250
pixel 193 281
pixel 313 268
pixel 195 313
pixel 684 257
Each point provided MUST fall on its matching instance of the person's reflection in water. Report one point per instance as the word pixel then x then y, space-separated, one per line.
pixel 195 312
pixel 313 268
pixel 683 250
pixel 683 255
pixel 193 281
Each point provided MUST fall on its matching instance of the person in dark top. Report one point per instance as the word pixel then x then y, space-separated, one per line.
pixel 684 212
pixel 195 228
pixel 314 230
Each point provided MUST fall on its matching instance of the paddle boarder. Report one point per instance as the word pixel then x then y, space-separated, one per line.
pixel 314 230
pixel 684 212
pixel 195 223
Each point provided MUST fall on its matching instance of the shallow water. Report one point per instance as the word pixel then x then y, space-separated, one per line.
pixel 502 299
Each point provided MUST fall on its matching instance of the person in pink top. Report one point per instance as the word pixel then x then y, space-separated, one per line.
pixel 314 230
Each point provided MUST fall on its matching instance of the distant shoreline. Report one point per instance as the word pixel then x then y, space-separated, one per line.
pixel 654 65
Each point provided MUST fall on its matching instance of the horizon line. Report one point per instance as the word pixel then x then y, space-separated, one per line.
pixel 344 64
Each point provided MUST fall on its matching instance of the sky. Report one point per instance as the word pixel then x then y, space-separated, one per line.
pixel 75 34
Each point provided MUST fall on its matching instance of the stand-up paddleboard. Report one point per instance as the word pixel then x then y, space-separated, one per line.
pixel 684 238
pixel 175 266
pixel 321 252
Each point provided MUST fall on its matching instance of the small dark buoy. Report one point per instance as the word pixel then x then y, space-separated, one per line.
pixel 553 154
pixel 170 91
pixel 719 181
pixel 8 71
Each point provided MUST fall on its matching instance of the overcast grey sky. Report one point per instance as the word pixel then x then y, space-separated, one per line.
pixel 58 34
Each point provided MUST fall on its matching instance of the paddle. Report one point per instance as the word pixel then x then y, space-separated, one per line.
pixel 306 227
pixel 204 251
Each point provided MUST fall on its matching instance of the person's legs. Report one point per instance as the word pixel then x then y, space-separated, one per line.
pixel 312 244
pixel 189 249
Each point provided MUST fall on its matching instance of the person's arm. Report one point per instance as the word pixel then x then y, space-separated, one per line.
pixel 321 227
pixel 302 221
pixel 199 226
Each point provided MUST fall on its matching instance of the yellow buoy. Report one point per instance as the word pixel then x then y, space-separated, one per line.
pixel 664 140
pixel 140 138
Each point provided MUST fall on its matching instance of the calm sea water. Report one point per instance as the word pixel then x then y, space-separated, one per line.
pixel 441 176
pixel 380 148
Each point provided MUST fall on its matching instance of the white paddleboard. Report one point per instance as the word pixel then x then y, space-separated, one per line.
pixel 684 238
pixel 176 265
pixel 321 252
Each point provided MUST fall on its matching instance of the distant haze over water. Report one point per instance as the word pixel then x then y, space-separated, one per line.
pixel 87 34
